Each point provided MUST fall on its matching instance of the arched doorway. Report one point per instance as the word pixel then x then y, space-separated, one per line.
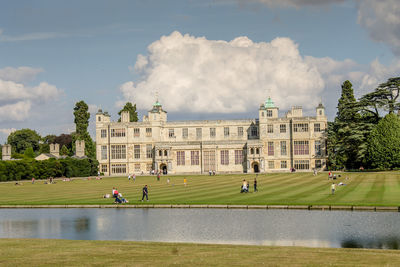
pixel 164 168
pixel 256 168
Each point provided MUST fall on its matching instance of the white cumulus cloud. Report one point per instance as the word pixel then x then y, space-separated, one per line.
pixel 194 74
pixel 20 74
pixel 17 99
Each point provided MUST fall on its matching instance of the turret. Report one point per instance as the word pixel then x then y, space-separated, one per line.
pixel 320 111
pixel 55 149
pixel 268 110
pixel 102 116
pixel 157 113
pixel 6 152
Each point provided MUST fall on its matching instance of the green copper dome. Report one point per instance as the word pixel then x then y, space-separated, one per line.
pixel 157 104
pixel 269 103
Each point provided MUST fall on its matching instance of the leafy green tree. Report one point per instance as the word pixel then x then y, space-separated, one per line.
pixel 133 116
pixel 64 151
pixel 22 139
pixel 29 153
pixel 384 97
pixel 384 143
pixel 82 117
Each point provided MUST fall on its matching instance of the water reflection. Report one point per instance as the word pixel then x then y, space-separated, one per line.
pixel 258 227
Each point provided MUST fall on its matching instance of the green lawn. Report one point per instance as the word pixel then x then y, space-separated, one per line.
pixel 48 252
pixel 379 189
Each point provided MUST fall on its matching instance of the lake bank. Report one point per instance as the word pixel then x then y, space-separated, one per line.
pixel 50 252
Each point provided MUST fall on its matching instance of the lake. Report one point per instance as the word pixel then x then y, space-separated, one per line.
pixel 310 228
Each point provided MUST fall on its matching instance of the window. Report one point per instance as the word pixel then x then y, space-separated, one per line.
pixel 317 127
pixel 320 112
pixel 301 148
pixel 226 131
pixel 199 133
pixel 212 132
pixel 301 164
pixel 194 157
pixel 270 128
pixel 171 133
pixel 238 157
pixel 318 148
pixel 120 132
pixel 240 131
pixel 283 164
pixel 149 167
pixel 283 148
pixel 270 148
pixel 103 152
pixel 209 160
pixel 257 150
pixel 118 151
pixel 149 151
pixel 148 132
pixel 271 165
pixel 103 133
pixel 269 113
pixel 160 153
pixel 254 131
pixel 99 118
pixel 300 127
pixel 104 168
pixel 185 133
pixel 137 167
pixel 136 132
pixel 224 157
pixel 165 152
pixel 251 151
pixel 282 128
pixel 136 151
pixel 262 114
pixel 318 164
pixel 118 168
pixel 180 157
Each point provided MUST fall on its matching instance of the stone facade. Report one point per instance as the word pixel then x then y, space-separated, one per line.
pixel 267 144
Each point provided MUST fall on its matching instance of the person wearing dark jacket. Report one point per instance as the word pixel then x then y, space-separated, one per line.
pixel 145 193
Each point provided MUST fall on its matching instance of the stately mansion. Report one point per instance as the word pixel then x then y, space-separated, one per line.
pixel 267 144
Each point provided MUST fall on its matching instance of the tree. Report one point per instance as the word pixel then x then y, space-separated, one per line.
pixel 133 116
pixel 28 153
pixel 22 139
pixel 82 117
pixel 384 97
pixel 64 140
pixel 64 151
pixel 347 134
pixel 384 143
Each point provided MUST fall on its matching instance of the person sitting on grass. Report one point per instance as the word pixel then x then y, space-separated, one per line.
pixel 244 188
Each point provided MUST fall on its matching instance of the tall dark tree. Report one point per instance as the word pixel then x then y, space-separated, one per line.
pixel 22 139
pixel 384 143
pixel 346 136
pixel 82 116
pixel 133 116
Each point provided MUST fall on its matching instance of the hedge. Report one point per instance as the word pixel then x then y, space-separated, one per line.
pixel 25 169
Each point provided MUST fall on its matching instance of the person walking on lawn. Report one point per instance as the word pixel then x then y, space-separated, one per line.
pixel 145 193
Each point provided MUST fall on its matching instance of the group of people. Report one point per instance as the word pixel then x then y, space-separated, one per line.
pixel 133 176
pixel 246 186
pixel 120 199
pixel 211 172
pixel 118 196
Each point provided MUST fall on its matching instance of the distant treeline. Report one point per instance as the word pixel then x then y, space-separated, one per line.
pixel 27 168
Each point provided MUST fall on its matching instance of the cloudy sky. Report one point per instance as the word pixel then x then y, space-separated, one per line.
pixel 206 59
